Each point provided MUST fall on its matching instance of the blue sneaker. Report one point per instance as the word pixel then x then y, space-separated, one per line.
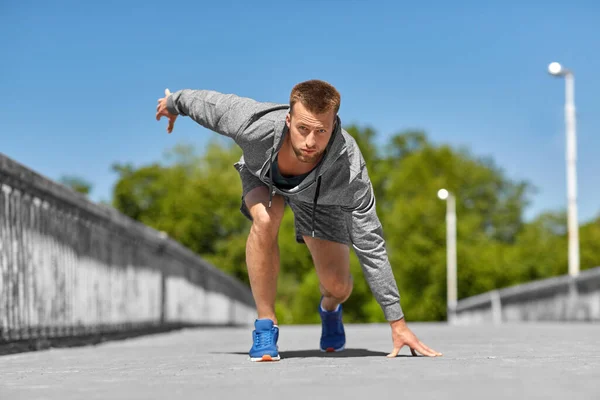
pixel 264 336
pixel 333 337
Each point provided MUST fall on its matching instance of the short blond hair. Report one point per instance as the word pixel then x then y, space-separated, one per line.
pixel 317 96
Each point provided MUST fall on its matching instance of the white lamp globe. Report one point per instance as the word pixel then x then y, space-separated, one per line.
pixel 555 68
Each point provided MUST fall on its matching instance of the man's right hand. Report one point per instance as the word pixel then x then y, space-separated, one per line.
pixel 161 111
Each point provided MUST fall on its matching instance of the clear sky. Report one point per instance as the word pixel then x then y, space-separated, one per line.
pixel 80 80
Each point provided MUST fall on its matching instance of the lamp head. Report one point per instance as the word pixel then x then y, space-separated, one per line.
pixel 443 194
pixel 556 69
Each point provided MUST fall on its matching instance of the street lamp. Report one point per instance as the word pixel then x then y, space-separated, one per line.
pixel 558 70
pixel 451 291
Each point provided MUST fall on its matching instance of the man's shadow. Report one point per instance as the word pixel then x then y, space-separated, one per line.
pixel 347 353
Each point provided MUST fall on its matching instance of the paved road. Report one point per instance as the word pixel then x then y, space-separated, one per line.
pixel 539 361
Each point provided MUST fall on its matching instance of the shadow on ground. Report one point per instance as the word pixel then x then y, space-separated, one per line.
pixel 342 354
pixel 348 353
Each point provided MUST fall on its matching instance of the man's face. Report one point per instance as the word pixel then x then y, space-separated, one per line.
pixel 309 133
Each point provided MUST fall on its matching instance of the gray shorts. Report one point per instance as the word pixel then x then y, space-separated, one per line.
pixel 330 221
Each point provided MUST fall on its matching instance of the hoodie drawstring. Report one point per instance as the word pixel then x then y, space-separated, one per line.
pixel 315 205
pixel 271 180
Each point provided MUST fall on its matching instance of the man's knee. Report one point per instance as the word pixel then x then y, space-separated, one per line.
pixel 339 288
pixel 265 220
pixel 265 224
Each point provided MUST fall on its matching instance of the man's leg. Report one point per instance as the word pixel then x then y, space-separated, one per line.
pixel 262 249
pixel 332 264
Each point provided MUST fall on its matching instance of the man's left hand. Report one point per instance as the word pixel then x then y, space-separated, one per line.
pixel 402 336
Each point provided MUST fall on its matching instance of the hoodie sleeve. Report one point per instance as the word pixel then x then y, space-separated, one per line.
pixel 366 233
pixel 225 114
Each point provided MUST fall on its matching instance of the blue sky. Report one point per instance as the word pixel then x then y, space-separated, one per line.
pixel 80 80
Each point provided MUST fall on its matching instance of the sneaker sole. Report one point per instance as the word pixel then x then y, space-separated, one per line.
pixel 332 350
pixel 266 358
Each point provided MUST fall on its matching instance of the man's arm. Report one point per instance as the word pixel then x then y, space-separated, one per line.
pixel 369 245
pixel 225 114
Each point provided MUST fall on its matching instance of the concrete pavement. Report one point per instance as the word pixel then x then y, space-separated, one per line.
pixel 536 361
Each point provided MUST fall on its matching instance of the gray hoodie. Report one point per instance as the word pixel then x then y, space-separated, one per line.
pixel 341 178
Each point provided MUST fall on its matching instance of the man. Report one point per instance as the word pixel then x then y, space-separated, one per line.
pixel 298 154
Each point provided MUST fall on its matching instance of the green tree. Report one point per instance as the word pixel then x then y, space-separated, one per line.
pixel 189 196
pixel 589 236
pixel 410 172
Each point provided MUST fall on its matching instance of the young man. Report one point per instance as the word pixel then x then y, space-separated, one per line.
pixel 298 154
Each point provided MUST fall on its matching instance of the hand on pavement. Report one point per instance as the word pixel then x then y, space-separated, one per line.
pixel 402 336
pixel 161 111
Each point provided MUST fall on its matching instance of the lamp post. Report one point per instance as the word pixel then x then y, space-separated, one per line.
pixel 451 291
pixel 558 70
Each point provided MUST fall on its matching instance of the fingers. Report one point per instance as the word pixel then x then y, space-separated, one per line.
pixel 394 352
pixel 424 350
pixel 171 124
pixel 159 110
pixel 437 353
pixel 160 113
pixel 421 349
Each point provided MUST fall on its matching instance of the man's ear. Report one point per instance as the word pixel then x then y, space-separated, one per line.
pixel 288 120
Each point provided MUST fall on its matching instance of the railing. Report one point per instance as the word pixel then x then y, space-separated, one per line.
pixel 562 298
pixel 71 267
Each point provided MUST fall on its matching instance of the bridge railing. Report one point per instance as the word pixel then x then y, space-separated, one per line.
pixel 71 267
pixel 562 298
